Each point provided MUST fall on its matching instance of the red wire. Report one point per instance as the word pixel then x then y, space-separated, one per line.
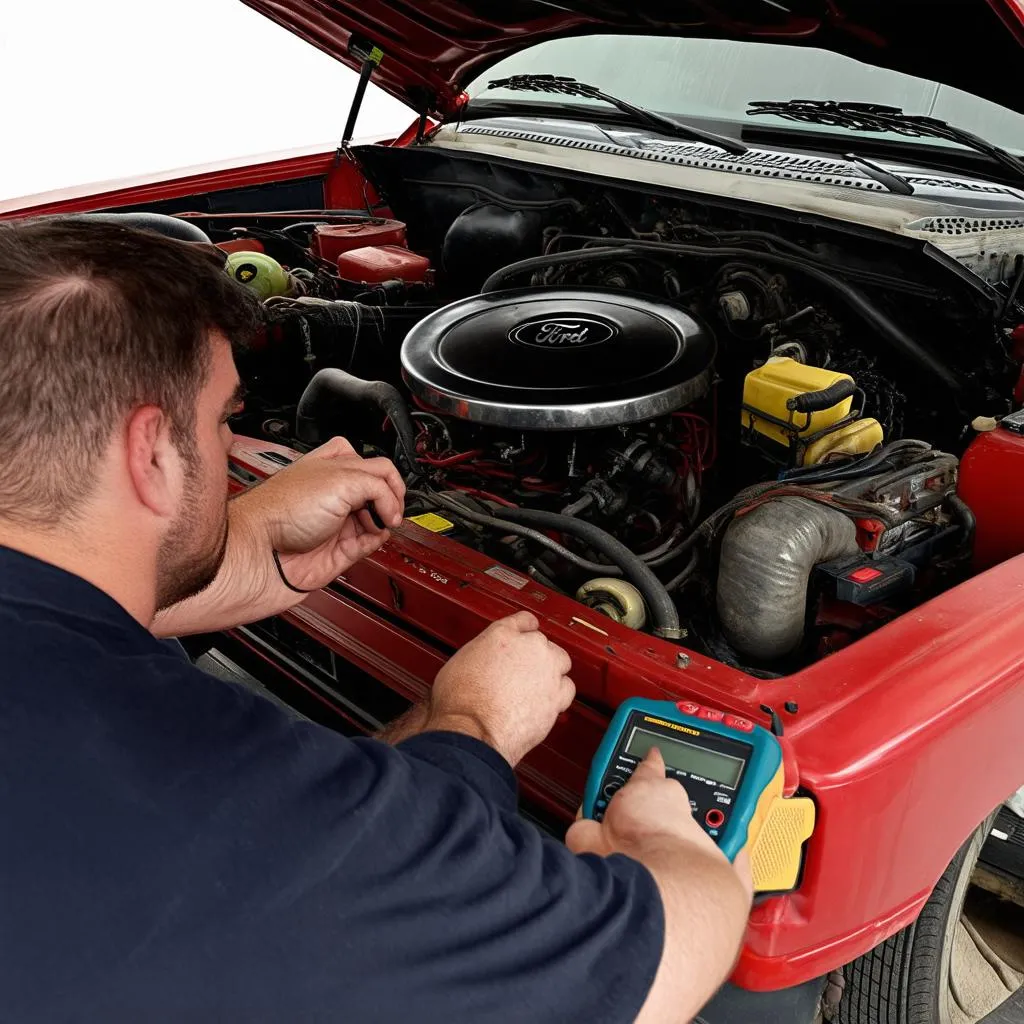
pixel 486 495
pixel 452 460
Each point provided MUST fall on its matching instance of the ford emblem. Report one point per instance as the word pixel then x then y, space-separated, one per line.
pixel 562 332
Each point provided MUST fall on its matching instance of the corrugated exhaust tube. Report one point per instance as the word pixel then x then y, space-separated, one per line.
pixel 766 561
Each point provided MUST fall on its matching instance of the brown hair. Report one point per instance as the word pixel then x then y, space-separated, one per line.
pixel 97 319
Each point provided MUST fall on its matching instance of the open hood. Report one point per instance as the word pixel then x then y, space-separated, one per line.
pixel 432 48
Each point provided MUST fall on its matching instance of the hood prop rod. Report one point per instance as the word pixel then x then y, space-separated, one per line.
pixel 371 56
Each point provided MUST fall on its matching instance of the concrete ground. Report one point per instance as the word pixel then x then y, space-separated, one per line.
pixel 988 955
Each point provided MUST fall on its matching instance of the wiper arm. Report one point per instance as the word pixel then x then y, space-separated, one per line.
pixel 892 181
pixel 875 117
pixel 666 124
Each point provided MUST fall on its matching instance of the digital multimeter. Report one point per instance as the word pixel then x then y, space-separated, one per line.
pixel 733 773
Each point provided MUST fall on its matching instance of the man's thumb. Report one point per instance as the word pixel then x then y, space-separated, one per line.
pixel 652 766
pixel 523 622
pixel 586 836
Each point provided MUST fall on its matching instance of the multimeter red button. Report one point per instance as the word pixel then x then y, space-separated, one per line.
pixel 738 723
pixel 688 707
pixel 711 714
pixel 714 818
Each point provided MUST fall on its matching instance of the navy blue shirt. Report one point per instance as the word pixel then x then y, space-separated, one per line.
pixel 176 848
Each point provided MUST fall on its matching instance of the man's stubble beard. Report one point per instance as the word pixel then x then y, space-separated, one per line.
pixel 193 551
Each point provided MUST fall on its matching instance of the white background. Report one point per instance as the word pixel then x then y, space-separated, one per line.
pixel 94 90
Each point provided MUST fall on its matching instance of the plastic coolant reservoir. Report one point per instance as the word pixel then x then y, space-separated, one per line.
pixel 767 389
pixel 260 273
pixel 331 240
pixel 856 438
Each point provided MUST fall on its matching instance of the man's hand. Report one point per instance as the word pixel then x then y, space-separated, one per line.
pixel 706 899
pixel 649 808
pixel 505 687
pixel 314 512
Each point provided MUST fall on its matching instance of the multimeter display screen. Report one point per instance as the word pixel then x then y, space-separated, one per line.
pixel 686 757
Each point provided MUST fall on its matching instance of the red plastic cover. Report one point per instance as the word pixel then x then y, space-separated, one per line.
pixel 331 240
pixel 376 263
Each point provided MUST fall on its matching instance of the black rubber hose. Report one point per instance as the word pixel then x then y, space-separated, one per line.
pixel 684 574
pixel 739 237
pixel 855 299
pixel 816 401
pixel 457 509
pixel 966 516
pixel 331 386
pixel 497 280
pixel 863 466
pixel 662 610
pixel 172 227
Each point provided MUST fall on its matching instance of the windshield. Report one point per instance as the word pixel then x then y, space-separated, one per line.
pixel 715 78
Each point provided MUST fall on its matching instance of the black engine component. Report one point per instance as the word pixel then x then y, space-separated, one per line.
pixel 485 237
pixel 558 359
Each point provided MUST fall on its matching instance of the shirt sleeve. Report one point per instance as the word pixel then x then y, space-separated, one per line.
pixel 321 878
pixel 477 764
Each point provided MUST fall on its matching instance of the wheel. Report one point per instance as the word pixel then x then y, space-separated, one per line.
pixel 938 970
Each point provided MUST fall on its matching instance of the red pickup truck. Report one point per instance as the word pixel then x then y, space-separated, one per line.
pixel 696 329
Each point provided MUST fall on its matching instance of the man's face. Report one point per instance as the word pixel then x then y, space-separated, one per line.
pixel 193 550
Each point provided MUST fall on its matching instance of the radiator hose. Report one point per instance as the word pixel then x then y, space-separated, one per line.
pixel 328 391
pixel 662 610
pixel 766 562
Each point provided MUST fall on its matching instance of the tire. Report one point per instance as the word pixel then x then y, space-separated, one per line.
pixel 905 980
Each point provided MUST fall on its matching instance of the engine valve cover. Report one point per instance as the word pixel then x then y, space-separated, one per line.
pixel 558 359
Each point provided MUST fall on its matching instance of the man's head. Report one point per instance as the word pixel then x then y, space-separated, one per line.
pixel 116 380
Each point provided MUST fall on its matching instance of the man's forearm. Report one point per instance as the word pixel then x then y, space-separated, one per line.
pixel 706 911
pixel 246 588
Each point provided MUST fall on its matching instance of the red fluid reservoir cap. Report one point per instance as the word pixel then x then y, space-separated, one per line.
pixel 864 574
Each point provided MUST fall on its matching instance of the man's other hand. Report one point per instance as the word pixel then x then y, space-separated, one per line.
pixel 506 687
pixel 315 512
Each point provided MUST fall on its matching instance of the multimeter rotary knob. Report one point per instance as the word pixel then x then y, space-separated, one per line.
pixel 612 785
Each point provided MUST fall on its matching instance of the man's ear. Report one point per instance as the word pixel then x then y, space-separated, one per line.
pixel 154 465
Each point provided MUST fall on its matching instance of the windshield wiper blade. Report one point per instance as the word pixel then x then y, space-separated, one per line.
pixel 875 117
pixel 570 87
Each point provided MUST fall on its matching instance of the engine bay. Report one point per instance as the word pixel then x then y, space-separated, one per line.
pixel 724 427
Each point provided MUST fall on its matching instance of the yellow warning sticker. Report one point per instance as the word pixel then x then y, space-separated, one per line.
pixel 432 522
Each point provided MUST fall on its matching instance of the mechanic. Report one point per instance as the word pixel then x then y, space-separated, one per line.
pixel 178 848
